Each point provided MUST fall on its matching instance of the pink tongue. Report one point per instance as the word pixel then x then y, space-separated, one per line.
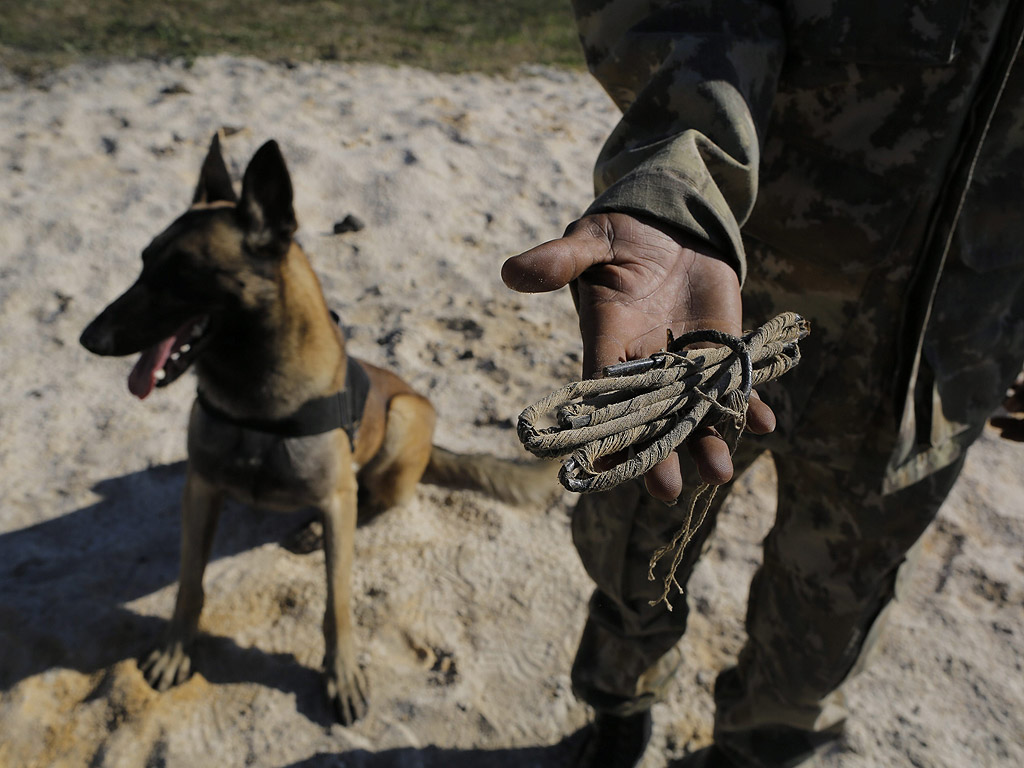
pixel 142 379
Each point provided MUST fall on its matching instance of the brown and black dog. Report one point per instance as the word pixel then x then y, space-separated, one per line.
pixel 283 418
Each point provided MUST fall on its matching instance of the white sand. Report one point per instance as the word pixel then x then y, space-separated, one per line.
pixel 468 611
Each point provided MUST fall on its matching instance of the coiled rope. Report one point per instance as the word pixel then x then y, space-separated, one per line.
pixel 642 410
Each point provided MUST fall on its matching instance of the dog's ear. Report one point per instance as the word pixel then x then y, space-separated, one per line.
pixel 265 211
pixel 214 179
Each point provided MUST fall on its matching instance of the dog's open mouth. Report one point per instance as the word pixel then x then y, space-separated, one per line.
pixel 167 360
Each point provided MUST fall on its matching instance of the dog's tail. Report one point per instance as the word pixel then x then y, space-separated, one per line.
pixel 514 482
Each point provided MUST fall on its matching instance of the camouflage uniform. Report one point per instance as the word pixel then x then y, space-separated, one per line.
pixel 861 164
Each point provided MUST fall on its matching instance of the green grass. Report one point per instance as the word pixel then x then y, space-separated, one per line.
pixel 443 35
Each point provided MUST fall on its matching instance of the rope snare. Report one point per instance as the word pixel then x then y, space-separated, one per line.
pixel 651 406
pixel 642 410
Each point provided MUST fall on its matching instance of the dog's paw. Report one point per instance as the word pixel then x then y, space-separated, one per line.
pixel 308 538
pixel 167 666
pixel 346 690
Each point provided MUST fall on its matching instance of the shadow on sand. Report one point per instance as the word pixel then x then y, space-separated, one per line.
pixel 556 756
pixel 67 580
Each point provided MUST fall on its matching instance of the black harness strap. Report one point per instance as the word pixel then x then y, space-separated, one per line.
pixel 342 410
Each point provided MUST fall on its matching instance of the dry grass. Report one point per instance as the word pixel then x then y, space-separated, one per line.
pixel 442 35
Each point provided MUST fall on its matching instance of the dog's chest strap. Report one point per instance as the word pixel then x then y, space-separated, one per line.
pixel 342 410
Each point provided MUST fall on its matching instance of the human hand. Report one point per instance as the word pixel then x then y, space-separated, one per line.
pixel 632 280
pixel 1012 427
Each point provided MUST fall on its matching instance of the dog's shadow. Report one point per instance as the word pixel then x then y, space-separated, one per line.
pixel 438 757
pixel 67 584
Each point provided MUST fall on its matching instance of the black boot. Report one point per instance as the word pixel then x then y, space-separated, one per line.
pixel 778 747
pixel 709 757
pixel 615 742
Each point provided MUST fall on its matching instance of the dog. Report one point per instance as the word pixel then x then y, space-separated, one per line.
pixel 284 418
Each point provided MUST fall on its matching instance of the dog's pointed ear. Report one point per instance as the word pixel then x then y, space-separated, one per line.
pixel 214 179
pixel 265 210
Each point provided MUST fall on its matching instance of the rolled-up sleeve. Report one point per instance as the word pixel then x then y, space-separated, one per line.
pixel 695 81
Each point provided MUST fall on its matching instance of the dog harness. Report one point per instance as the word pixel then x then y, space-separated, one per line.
pixel 342 410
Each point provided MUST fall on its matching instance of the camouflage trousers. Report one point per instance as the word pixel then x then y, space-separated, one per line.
pixel 832 565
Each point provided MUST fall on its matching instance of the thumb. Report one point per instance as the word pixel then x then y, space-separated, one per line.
pixel 549 266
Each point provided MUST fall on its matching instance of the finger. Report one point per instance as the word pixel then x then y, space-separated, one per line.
pixel 760 417
pixel 664 481
pixel 551 265
pixel 711 455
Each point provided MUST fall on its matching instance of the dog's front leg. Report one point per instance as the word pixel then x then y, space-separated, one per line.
pixel 171 664
pixel 346 683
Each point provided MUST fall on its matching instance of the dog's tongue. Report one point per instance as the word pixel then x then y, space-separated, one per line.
pixel 142 379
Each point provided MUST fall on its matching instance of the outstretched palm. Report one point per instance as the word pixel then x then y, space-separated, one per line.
pixel 632 281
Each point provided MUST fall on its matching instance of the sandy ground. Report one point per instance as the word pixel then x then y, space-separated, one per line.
pixel 468 611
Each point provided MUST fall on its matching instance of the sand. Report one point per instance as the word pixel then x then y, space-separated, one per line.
pixel 468 610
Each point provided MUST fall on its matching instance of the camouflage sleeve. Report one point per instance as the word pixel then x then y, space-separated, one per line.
pixel 695 81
